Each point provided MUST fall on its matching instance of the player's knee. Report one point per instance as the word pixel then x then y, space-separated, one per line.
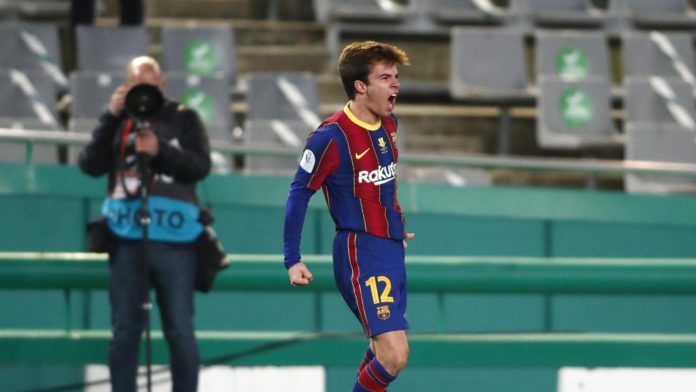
pixel 396 361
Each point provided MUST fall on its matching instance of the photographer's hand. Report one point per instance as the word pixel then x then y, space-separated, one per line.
pixel 118 99
pixel 146 142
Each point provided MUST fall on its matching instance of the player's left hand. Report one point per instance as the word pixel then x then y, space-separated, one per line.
pixel 146 142
pixel 300 275
pixel 409 236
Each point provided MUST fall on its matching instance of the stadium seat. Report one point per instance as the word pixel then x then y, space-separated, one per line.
pixel 646 54
pixel 278 133
pixel 16 50
pixel 286 96
pixel 27 101
pixel 361 10
pixel 562 13
pixel 572 55
pixel 109 49
pixel 575 113
pixel 659 143
pixel 644 104
pixel 91 93
pixel 203 51
pixel 487 64
pixel 656 14
pixel 209 96
pixel 464 12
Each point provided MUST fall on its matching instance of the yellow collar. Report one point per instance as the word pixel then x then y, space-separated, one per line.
pixel 357 121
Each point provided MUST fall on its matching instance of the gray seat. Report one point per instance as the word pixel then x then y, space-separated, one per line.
pixel 286 96
pixel 575 114
pixel 462 12
pixel 275 133
pixel 642 56
pixel 109 49
pixel 91 93
pixel 656 14
pixel 487 64
pixel 15 48
pixel 20 111
pixel 562 13
pixel 204 51
pixel 361 10
pixel 660 143
pixel 209 96
pixel 572 55
pixel 643 103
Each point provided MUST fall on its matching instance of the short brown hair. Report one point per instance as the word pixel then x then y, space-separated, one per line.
pixel 357 58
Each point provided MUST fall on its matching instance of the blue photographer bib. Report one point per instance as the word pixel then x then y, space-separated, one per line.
pixel 171 220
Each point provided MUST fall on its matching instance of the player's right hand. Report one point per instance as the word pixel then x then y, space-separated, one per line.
pixel 299 275
pixel 118 99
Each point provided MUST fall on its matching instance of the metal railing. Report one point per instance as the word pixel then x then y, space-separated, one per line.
pixel 81 272
pixel 585 166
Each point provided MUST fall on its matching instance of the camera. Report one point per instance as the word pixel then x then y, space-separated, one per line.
pixel 143 101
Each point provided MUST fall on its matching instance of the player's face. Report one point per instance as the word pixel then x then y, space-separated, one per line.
pixel 382 89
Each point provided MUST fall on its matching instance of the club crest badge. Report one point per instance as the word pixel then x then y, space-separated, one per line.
pixel 383 312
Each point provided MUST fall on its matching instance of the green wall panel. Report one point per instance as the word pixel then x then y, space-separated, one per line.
pixel 279 311
pixel 32 309
pixel 28 377
pixel 597 239
pixel 638 314
pixel 41 223
pixel 466 235
pixel 494 313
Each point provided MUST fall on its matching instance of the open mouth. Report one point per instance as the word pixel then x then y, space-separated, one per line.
pixel 392 100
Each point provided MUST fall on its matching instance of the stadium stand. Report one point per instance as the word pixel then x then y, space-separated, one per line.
pixel 488 64
pixel 199 50
pixel 27 102
pixel 499 67
pixel 283 110
pixel 659 100
pixel 209 96
pixel 663 14
pixel 572 54
pixel 663 142
pixel 563 13
pixel 109 49
pixel 657 53
pixel 575 113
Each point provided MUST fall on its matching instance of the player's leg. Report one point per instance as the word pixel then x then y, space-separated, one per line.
pixel 369 355
pixel 392 350
pixel 391 356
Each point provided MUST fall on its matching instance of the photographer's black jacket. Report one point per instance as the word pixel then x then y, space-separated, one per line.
pixel 184 151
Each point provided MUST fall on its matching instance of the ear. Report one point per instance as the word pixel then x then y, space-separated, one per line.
pixel 360 87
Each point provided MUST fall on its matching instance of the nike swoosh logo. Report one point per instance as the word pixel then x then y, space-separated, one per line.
pixel 359 156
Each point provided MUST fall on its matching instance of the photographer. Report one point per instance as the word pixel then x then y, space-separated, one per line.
pixel 176 149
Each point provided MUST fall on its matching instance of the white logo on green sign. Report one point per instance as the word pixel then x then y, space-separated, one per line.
pixel 200 58
pixel 571 63
pixel 200 102
pixel 576 107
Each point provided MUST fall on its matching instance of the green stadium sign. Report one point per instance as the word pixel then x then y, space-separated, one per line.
pixel 571 63
pixel 199 101
pixel 200 58
pixel 576 107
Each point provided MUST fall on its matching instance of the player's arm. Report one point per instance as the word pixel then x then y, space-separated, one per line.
pixel 319 160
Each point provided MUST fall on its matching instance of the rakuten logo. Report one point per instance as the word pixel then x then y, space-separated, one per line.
pixel 379 176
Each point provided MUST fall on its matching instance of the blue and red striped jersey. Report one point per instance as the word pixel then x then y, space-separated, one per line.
pixel 354 163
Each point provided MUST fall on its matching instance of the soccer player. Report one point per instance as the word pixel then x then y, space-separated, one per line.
pixel 352 156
